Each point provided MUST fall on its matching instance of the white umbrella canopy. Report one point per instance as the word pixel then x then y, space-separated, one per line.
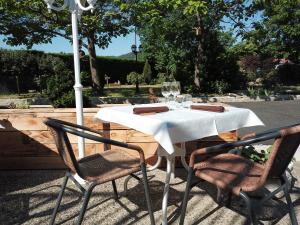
pixel 76 7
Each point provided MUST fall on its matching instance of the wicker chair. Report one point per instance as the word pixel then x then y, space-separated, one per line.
pixel 98 168
pixel 240 176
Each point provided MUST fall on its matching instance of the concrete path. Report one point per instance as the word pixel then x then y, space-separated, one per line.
pixel 273 114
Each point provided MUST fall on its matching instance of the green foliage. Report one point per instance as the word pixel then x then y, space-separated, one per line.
pixel 134 77
pixel 161 77
pixel 219 87
pixel 168 34
pixel 147 72
pixel 60 87
pixel 34 68
pixel 29 22
pixel 289 74
pixel 19 65
pixel 277 32
pixel 256 156
pixel 85 78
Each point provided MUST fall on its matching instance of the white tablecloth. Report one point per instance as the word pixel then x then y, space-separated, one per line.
pixel 180 125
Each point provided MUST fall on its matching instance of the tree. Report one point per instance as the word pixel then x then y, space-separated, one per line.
pixel 277 32
pixel 180 28
pixel 147 72
pixel 135 78
pixel 28 23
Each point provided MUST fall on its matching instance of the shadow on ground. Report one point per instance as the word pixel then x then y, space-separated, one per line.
pixel 28 197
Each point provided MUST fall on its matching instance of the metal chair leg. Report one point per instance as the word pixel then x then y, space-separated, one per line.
pixel 148 199
pixel 87 196
pixel 186 195
pixel 116 196
pixel 219 195
pixel 250 208
pixel 228 200
pixel 289 201
pixel 63 186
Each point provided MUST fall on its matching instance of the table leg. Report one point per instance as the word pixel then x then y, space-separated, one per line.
pixel 155 166
pixel 170 164
pixel 182 156
pixel 159 158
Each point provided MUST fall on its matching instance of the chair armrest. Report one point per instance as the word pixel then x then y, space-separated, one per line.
pixel 253 135
pixel 218 148
pixel 113 142
pixel 247 136
pixel 204 151
pixel 48 121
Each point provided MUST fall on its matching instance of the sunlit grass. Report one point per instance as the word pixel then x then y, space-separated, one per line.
pixel 129 91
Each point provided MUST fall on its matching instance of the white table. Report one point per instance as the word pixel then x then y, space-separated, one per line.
pixel 178 126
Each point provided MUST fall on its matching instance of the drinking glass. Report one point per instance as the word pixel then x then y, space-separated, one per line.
pixel 175 91
pixel 187 101
pixel 165 90
pixel 175 88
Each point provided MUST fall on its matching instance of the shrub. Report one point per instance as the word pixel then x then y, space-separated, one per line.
pixel 33 68
pixel 85 78
pixel 135 77
pixel 60 88
pixel 289 74
pixel 147 72
pixel 271 79
pixel 251 92
pixel 161 77
pixel 256 156
pixel 220 87
pixel 217 86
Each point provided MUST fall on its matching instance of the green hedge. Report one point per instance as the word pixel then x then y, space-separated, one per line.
pixel 32 69
pixel 116 69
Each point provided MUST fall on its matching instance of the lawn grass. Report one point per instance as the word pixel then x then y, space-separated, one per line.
pixel 21 96
pixel 129 91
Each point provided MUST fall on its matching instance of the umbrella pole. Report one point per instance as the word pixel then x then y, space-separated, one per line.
pixel 77 86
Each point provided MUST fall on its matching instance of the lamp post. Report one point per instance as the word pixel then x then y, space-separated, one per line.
pixel 135 51
pixel 76 8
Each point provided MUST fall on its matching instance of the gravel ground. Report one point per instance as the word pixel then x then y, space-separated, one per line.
pixel 28 197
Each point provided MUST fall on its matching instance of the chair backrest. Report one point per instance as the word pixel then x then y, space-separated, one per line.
pixel 282 152
pixel 63 144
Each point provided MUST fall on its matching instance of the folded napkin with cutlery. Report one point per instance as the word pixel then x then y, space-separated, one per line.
pixel 153 109
pixel 210 108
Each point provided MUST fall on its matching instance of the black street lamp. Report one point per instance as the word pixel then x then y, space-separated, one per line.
pixel 134 48
pixel 135 51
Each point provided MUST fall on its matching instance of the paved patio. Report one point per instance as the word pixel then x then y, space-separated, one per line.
pixel 28 197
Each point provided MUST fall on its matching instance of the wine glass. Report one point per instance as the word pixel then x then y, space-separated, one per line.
pixel 175 88
pixel 165 90
pixel 175 91
pixel 187 101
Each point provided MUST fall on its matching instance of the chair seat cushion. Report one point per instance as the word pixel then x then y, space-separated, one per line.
pixel 229 171
pixel 108 165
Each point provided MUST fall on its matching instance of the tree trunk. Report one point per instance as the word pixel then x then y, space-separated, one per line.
pixel 137 88
pixel 96 79
pixel 199 60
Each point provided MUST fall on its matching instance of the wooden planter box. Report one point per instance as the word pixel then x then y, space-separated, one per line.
pixel 26 142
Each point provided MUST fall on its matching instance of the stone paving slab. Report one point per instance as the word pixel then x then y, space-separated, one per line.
pixel 28 197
